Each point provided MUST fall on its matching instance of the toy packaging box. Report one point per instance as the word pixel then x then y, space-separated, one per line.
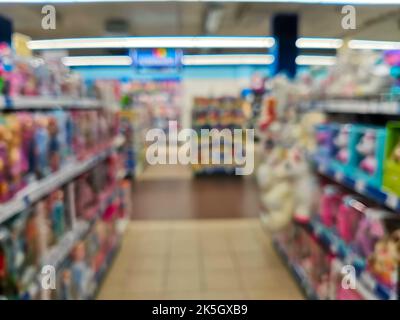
pixel 367 157
pixel 391 175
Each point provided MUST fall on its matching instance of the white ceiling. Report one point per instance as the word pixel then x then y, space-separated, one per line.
pixel 168 18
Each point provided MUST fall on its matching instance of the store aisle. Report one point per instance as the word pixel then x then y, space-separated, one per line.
pixel 198 259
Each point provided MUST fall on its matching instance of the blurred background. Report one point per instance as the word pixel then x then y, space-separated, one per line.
pixel 85 215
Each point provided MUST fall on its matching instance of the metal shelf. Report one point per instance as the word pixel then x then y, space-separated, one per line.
pixel 39 189
pixel 378 195
pixel 353 106
pixel 297 272
pixel 367 285
pixel 40 102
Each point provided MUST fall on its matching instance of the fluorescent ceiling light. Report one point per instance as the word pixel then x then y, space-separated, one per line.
pixel 227 59
pixel 153 42
pixel 374 45
pixel 97 61
pixel 333 2
pixel 316 60
pixel 319 43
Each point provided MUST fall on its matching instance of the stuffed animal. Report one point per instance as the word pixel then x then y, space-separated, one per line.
pixel 277 201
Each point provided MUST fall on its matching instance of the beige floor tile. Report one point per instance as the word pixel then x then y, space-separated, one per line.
pixel 222 281
pixel 198 259
pixel 145 282
pixel 224 295
pixel 274 294
pixel 183 295
pixel 264 279
pixel 111 295
pixel 143 296
pixel 148 263
pixel 218 262
pixel 187 281
pixel 185 263
pixel 255 260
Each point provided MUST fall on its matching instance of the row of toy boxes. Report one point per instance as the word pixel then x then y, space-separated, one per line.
pixel 367 153
pixel 330 277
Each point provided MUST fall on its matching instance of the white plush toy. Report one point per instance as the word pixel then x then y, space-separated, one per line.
pixel 277 197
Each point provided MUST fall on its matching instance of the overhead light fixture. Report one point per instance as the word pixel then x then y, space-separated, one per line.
pixel 316 60
pixel 374 45
pixel 333 2
pixel 319 43
pixel 227 59
pixel 97 61
pixel 153 42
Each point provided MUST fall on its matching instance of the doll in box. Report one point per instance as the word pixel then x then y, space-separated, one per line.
pixel 370 230
pixel 383 263
pixel 15 155
pixel 4 160
pixel 342 141
pixel 82 276
pixel 54 145
pixel 57 213
pixel 8 287
pixel 329 205
pixel 28 147
pixel 366 147
pixel 23 264
pixel 349 216
pixel 65 285
pixel 42 141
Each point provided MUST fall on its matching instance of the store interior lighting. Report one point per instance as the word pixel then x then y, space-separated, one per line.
pixel 188 60
pixel 374 45
pixel 319 43
pixel 97 61
pixel 308 60
pixel 228 59
pixel 153 42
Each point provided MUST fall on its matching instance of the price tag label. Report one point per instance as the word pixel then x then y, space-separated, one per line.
pixel 360 186
pixel 339 176
pixel 368 280
pixel 392 201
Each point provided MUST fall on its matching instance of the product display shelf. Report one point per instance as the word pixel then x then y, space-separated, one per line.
pixel 59 253
pixel 106 266
pixel 47 102
pixel 38 189
pixel 367 285
pixel 296 271
pixel 353 106
pixel 380 196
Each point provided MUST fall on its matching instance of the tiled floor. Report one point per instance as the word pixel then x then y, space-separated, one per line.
pixel 198 259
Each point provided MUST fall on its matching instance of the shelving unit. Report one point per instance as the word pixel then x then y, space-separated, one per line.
pixel 41 188
pixel 369 286
pixel 37 102
pixel 349 106
pixel 380 196
pixel 297 272
pixel 59 254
